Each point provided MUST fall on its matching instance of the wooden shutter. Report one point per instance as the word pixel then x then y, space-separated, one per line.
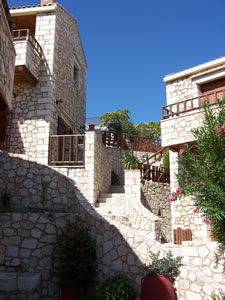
pixel 211 90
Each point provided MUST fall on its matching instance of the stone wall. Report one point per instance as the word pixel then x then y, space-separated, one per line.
pixel 27 243
pixel 68 86
pixel 7 59
pixel 35 186
pixel 155 198
pixel 182 210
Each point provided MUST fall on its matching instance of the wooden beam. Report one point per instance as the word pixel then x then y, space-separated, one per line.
pixel 23 75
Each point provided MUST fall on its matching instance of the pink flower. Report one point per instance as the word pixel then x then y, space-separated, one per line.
pixel 171 198
pixel 196 210
pixel 179 191
pixel 218 131
pixel 218 126
pixel 201 182
pixel 181 152
pixel 223 127
pixel 208 221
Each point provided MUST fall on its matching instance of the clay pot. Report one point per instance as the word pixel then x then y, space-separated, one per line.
pixel 67 293
pixel 157 287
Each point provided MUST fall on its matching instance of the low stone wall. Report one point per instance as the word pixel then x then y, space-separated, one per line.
pixel 27 242
pixel 29 184
pixel 155 198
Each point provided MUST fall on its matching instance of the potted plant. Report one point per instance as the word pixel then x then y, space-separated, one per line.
pixel 161 276
pixel 74 259
pixel 116 287
pixel 127 161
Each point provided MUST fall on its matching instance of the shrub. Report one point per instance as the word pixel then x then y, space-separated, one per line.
pixel 168 265
pixel 74 255
pixel 166 160
pixel 116 287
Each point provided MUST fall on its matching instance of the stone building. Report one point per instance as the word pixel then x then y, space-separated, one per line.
pixel 49 93
pixel 185 91
pixel 7 61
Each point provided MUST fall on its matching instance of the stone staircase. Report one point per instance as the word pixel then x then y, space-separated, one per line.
pixel 113 205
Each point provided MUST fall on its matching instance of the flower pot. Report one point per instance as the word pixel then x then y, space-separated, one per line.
pixel 67 293
pixel 157 287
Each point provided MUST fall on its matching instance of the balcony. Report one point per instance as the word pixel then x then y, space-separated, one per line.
pixel 179 119
pixel 28 57
pixel 66 150
pixel 183 107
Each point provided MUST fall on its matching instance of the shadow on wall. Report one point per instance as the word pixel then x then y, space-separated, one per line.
pixel 40 201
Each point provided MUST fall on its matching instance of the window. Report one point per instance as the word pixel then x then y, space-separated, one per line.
pixel 76 75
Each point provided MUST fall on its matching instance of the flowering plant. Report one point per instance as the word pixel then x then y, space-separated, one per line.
pixel 202 169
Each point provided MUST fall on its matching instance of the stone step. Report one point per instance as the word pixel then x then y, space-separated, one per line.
pixel 116 201
pixel 112 195
pixel 122 219
pixel 108 208
pixel 116 189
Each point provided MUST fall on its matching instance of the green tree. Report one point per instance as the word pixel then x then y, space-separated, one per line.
pixel 118 121
pixel 202 169
pixel 149 129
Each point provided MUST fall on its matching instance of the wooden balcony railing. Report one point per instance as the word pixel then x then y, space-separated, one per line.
pixel 154 173
pixel 185 106
pixel 142 144
pixel 67 150
pixel 25 35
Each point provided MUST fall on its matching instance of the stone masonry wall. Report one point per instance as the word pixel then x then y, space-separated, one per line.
pixel 155 198
pixel 7 59
pixel 67 86
pixel 27 239
pixel 35 186
pixel 182 210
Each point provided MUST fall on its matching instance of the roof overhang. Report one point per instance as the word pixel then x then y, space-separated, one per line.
pixel 194 70
pixel 32 10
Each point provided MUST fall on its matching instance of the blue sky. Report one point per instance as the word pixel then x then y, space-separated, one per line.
pixel 131 45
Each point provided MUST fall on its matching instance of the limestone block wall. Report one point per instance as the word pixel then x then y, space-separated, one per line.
pixel 7 59
pixel 140 217
pixel 182 210
pixel 69 85
pixel 27 56
pixel 30 118
pixel 35 186
pixel 27 239
pixel 177 130
pixel 155 198
pixel 27 243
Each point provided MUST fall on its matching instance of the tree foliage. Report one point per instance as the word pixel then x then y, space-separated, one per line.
pixel 202 169
pixel 120 121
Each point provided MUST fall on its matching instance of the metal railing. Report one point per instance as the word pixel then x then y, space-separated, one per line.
pixel 67 150
pixel 188 105
pixel 25 35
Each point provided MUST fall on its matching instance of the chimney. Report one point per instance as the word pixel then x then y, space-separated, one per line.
pixel 46 2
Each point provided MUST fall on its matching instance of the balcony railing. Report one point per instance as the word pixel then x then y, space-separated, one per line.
pixel 66 150
pixel 25 35
pixel 155 174
pixel 192 104
pixel 140 143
